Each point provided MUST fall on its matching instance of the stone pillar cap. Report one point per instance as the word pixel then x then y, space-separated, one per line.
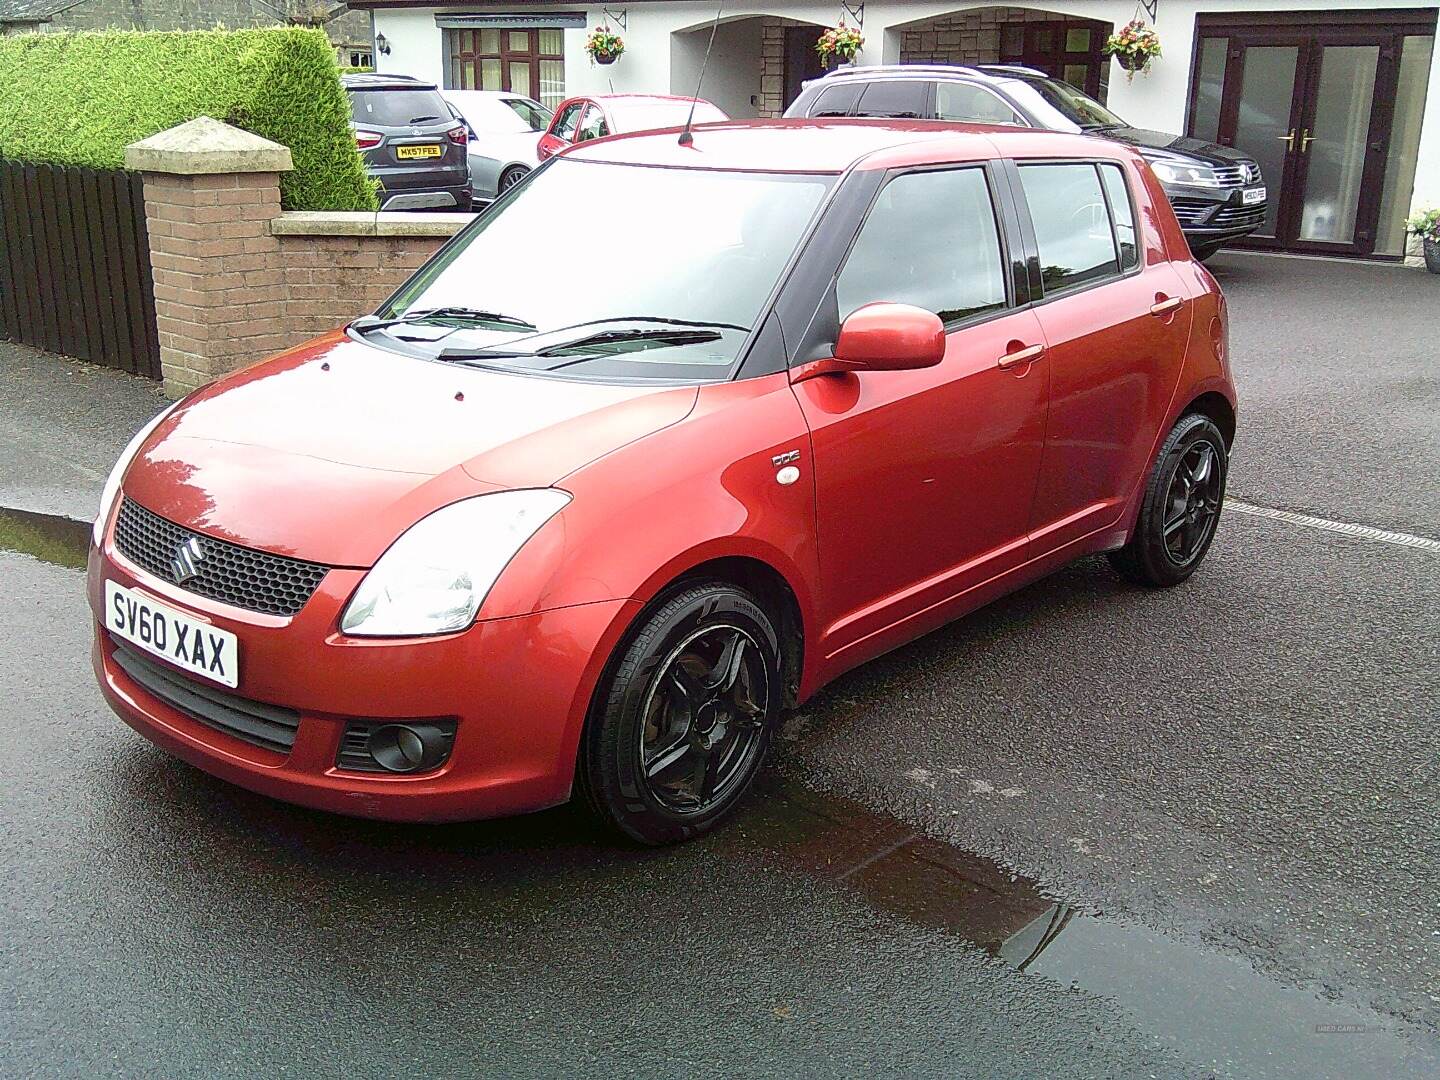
pixel 204 147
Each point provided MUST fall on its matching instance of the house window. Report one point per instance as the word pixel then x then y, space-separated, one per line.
pixel 1067 49
pixel 529 62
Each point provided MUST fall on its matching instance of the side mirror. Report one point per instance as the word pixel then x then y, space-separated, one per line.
pixel 890 337
pixel 882 337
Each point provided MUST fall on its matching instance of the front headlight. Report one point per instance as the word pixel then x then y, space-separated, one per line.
pixel 435 577
pixel 1171 172
pixel 111 489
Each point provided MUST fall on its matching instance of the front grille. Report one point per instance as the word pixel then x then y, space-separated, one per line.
pixel 1239 216
pixel 254 580
pixel 268 726
pixel 1191 211
pixel 1247 172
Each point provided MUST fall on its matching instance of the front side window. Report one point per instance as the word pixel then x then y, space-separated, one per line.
pixel 1072 225
pixel 666 279
pixel 974 104
pixel 930 240
pixel 895 99
pixel 1060 106
pixel 837 100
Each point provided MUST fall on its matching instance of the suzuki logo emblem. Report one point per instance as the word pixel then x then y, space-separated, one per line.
pixel 186 562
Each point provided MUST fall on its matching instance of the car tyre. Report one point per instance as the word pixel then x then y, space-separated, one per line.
pixel 685 717
pixel 510 177
pixel 1180 508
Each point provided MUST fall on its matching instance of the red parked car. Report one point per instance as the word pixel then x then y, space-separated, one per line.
pixel 580 119
pixel 588 511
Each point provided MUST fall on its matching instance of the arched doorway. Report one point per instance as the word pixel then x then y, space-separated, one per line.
pixel 757 68
pixel 1063 46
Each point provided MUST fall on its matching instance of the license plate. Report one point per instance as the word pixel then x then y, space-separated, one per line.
pixel 157 628
pixel 410 153
pixel 1251 196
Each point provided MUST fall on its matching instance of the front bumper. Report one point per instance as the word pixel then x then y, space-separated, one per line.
pixel 518 689
pixel 1209 216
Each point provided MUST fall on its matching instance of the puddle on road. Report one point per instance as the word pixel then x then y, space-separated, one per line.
pixel 49 537
pixel 1212 1007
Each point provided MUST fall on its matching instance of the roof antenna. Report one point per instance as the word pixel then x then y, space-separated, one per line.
pixel 686 138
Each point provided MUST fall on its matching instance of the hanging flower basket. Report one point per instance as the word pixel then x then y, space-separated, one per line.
pixel 1134 47
pixel 839 44
pixel 604 45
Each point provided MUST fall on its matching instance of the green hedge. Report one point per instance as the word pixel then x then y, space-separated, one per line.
pixel 78 99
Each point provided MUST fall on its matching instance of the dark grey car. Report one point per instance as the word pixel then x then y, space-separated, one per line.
pixel 410 141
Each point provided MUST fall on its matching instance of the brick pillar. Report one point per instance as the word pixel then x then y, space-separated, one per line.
pixel 211 192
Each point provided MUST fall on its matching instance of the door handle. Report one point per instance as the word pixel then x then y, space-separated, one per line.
pixel 1305 139
pixel 1288 140
pixel 1165 307
pixel 1027 355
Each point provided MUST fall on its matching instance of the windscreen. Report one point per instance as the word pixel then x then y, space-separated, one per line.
pixel 1059 106
pixel 599 269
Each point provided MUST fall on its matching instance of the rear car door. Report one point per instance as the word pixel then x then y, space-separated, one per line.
pixel 923 478
pixel 1116 320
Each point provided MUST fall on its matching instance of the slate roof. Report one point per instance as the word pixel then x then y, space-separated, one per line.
pixel 28 11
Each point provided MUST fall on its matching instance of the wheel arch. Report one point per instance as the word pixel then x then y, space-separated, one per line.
pixel 1218 408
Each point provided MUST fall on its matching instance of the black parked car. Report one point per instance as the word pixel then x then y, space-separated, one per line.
pixel 411 142
pixel 1216 191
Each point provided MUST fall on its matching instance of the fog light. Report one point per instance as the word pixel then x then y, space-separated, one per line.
pixel 395 746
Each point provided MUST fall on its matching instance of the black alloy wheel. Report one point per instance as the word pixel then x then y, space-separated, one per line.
pixel 1181 506
pixel 685 722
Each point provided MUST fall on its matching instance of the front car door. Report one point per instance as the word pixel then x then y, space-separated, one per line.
pixel 1116 321
pixel 562 129
pixel 923 478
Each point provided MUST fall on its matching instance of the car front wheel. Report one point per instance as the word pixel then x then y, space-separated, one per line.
pixel 685 720
pixel 1181 506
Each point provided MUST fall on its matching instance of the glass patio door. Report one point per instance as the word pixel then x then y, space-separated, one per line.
pixel 1315 107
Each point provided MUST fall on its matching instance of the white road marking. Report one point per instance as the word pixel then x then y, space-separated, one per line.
pixel 1344 528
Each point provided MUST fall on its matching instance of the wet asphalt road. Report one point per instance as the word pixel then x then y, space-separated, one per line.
pixel 1090 831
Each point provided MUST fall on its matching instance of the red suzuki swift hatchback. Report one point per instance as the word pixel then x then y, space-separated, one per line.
pixel 587 510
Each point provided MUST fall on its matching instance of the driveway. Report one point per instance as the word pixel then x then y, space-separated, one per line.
pixel 1089 831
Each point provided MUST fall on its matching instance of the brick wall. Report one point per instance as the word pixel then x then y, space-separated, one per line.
pixel 966 37
pixel 237 281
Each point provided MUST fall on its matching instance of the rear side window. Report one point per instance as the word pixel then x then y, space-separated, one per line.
pixel 594 126
pixel 837 100
pixel 964 101
pixel 1072 224
pixel 535 116
pixel 1118 191
pixel 397 108
pixel 895 98
pixel 565 126
pixel 930 240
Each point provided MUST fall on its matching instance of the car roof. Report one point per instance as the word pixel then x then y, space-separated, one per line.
pixel 834 145
pixel 634 99
pixel 493 95
pixel 374 81
pixel 977 72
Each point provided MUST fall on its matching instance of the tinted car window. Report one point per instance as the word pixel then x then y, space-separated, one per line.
pixel 930 240
pixel 965 101
pixel 894 98
pixel 837 100
pixel 1072 226
pixel 1060 106
pixel 397 108
pixel 1124 214
pixel 594 126
pixel 565 126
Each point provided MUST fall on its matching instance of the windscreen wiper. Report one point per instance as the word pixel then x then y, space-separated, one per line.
pixel 459 314
pixel 590 341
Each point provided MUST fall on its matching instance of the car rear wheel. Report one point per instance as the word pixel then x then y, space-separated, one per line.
pixel 512 176
pixel 1181 506
pixel 686 717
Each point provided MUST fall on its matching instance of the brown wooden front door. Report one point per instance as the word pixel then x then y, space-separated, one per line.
pixel 802 62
